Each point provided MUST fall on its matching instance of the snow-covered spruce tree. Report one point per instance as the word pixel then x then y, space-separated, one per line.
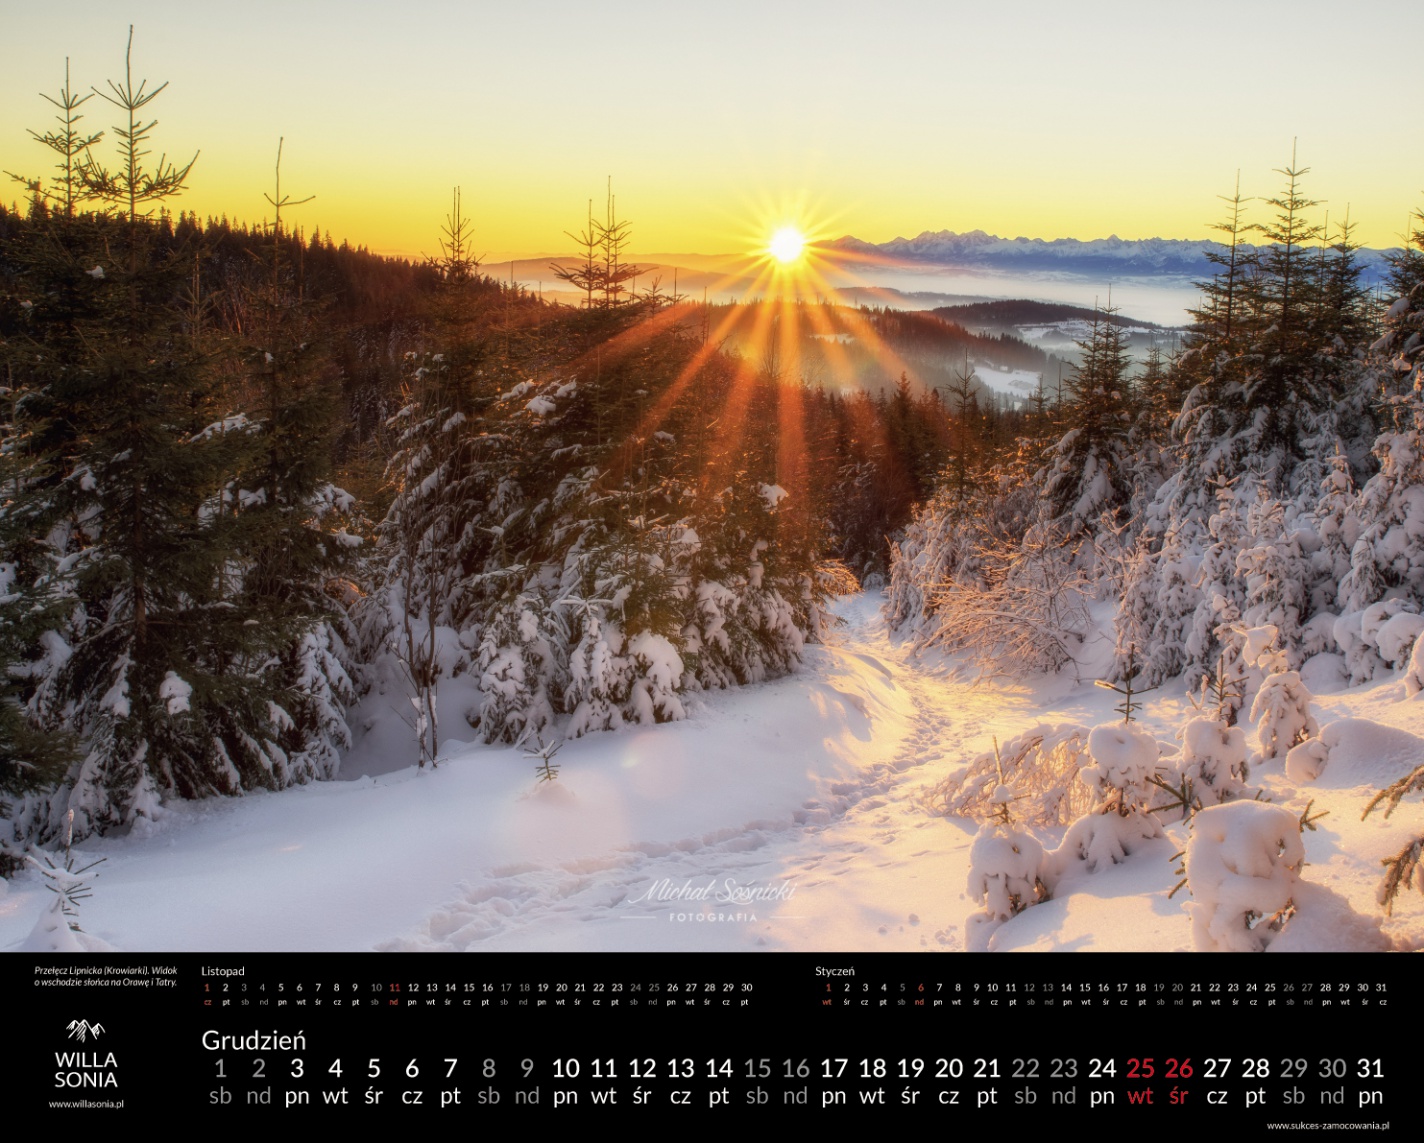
pixel 1281 708
pixel 1387 558
pixel 131 525
pixel 1335 520
pixel 1215 620
pixel 455 591
pixel 1088 478
pixel 291 520
pixel 625 666
pixel 1125 773
pixel 121 567
pixel 1275 379
pixel 420 538
pixel 1275 571
pixel 1243 868
pixel 1213 767
pixel 1391 510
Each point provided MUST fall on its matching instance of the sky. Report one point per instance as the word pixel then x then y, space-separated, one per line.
pixel 719 122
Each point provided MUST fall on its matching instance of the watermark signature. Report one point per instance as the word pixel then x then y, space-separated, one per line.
pixel 716 900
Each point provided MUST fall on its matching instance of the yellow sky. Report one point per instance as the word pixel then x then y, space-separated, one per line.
pixel 1042 119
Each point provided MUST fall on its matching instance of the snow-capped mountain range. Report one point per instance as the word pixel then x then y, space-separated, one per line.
pixel 1113 255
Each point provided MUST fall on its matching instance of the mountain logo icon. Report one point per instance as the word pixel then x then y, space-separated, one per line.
pixel 82 1030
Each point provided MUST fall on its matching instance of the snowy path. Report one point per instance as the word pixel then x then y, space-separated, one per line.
pixel 802 788
pixel 779 816
pixel 852 867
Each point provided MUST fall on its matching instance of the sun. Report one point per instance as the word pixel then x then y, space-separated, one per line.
pixel 787 244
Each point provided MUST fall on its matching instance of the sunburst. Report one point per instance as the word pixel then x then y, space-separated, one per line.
pixel 787 244
pixel 789 281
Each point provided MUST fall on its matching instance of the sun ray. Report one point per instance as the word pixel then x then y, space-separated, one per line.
pixel 791 317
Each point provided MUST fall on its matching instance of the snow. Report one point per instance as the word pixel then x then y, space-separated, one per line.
pixel 238 423
pixel 116 698
pixel 773 494
pixel 175 694
pixel 1243 865
pixel 1020 383
pixel 794 814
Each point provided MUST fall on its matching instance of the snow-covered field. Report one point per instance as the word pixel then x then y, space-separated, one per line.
pixel 1020 383
pixel 781 816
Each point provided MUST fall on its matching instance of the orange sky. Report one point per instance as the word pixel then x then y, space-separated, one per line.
pixel 718 121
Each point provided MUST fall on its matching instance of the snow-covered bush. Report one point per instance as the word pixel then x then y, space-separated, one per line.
pixel 1042 765
pixel 1125 759
pixel 1414 670
pixel 1004 876
pixel 1282 715
pixel 1213 762
pixel 1024 610
pixel 1243 869
pixel 1097 842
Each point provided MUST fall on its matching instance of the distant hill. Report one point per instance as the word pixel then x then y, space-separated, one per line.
pixel 1021 311
pixel 1110 257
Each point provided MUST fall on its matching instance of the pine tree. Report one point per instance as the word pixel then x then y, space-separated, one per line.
pixel 66 189
pixel 602 275
pixel 1089 477
pixel 1387 558
pixel 134 525
pixel 963 392
pixel 289 518
pixel 586 276
pixel 421 535
pixel 1278 396
pixel 614 235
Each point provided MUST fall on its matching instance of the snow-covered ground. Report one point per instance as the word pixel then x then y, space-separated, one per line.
pixel 781 816
pixel 1020 383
